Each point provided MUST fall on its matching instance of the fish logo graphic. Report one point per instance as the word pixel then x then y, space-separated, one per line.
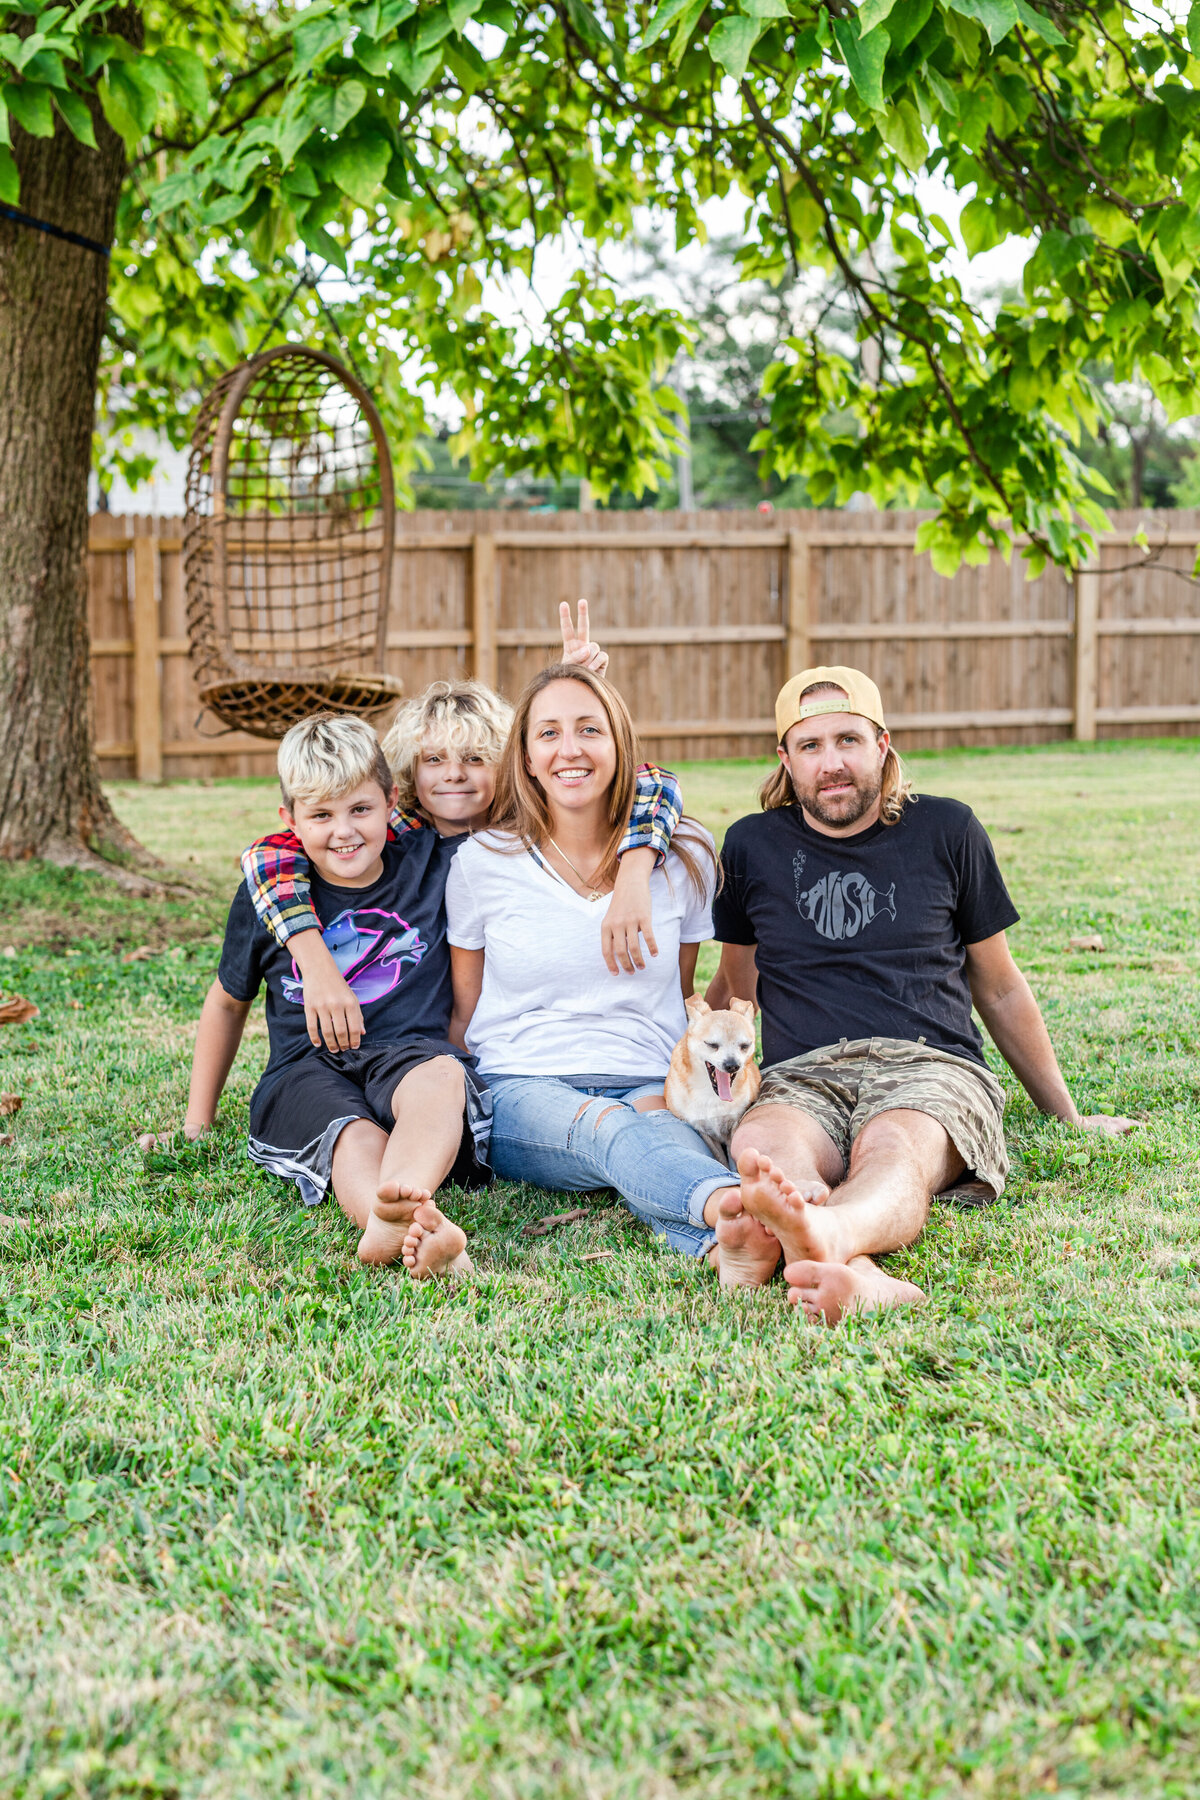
pixel 370 954
pixel 840 906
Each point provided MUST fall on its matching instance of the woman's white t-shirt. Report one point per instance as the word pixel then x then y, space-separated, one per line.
pixel 549 1005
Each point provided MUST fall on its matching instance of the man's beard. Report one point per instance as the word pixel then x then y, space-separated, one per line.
pixel 848 809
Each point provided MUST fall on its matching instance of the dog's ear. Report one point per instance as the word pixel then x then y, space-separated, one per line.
pixel 697 1006
pixel 746 1007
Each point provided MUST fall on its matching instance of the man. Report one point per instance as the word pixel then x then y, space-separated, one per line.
pixel 870 920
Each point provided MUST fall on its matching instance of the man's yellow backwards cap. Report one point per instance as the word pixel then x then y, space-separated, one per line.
pixel 861 696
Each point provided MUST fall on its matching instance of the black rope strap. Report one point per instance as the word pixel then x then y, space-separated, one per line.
pixel 54 231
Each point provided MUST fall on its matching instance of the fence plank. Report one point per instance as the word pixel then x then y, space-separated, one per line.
pixel 1087 610
pixel 147 686
pixel 798 627
pixel 483 606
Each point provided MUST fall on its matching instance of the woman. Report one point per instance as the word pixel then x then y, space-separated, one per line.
pixel 575 1061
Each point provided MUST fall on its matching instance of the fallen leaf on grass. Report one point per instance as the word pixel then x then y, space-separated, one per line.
pixel 1085 943
pixel 15 1009
pixel 10 950
pixel 540 1227
pixel 6 1137
pixel 141 954
pixel 597 1255
pixel 75 1005
pixel 10 1104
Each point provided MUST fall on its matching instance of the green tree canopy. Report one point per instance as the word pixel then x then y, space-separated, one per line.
pixel 427 146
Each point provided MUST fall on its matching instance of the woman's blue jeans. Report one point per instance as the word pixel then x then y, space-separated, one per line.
pixel 558 1136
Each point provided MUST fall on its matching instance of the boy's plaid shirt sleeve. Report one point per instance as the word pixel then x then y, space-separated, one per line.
pixel 657 810
pixel 276 872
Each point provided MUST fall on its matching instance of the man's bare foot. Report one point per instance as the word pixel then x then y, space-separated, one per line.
pixel 796 1214
pixel 747 1253
pixel 831 1291
pixel 387 1227
pixel 435 1245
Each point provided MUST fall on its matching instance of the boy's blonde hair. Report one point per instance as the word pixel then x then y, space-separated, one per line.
pixel 463 718
pixel 327 756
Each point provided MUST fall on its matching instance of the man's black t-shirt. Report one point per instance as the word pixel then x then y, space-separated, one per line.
pixel 863 936
pixel 388 940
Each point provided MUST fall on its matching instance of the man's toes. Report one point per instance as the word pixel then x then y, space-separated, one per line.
pixel 729 1206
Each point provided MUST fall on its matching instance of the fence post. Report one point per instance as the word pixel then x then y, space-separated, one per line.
pixel 795 645
pixel 1087 611
pixel 483 606
pixel 147 685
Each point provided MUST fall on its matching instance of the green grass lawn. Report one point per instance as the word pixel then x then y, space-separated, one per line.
pixel 276 1525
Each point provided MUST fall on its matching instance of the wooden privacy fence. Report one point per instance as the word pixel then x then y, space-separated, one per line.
pixel 705 614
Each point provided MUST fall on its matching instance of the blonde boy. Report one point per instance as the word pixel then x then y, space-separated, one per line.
pixel 386 1122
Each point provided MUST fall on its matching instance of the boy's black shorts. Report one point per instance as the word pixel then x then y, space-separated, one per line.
pixel 297 1117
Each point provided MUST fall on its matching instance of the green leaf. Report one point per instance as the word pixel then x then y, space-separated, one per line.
pixel 872 13
pixel 189 79
pixel 30 107
pixel 358 165
pixel 131 96
pixel 10 181
pixel 226 207
pixel 900 129
pixel 300 181
pixel 996 16
pixel 663 20
pixel 47 68
pixel 864 57
pixel 1193 30
pixel 415 70
pixel 732 41
pixel 332 108
pixel 393 13
pixel 434 27
pixel 78 118
pixel 977 223
pixel 764 9
pixel 312 39
pixel 587 25
pixel 684 30
pixel 322 243
pixel 462 11
pixel 1029 15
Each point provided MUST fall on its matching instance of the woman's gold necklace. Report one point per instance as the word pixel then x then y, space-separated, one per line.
pixel 595 893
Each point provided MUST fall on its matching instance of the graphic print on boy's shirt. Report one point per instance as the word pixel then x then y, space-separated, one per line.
pixel 370 950
pixel 389 940
pixel 863 936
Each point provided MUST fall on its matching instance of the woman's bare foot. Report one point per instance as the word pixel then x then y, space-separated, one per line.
pixel 747 1253
pixel 387 1227
pixel 830 1291
pixel 797 1216
pixel 435 1245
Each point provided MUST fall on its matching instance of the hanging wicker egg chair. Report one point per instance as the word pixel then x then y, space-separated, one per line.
pixel 287 544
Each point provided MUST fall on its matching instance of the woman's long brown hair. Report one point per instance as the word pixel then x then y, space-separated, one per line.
pixel 522 811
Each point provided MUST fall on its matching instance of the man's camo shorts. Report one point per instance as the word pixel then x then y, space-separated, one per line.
pixel 843 1086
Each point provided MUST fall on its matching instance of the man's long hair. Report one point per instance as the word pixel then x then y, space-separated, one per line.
pixel 896 790
pixel 521 810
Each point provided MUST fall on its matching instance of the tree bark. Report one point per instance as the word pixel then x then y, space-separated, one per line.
pixel 53 298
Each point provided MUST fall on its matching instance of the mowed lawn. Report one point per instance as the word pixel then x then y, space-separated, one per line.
pixel 276 1525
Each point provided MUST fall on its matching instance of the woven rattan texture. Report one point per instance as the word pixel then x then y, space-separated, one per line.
pixel 288 543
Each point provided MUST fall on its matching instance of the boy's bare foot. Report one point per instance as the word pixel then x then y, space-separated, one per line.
pixel 387 1227
pixel 435 1245
pixel 747 1253
pixel 796 1215
pixel 830 1291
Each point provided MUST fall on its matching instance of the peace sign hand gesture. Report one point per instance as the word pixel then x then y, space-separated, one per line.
pixel 577 645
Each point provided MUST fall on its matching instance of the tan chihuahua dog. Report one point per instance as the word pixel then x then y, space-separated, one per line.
pixel 713 1076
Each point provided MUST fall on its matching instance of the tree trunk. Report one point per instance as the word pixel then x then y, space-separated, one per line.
pixel 53 297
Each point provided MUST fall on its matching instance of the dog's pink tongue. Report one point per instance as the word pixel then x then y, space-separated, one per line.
pixel 724 1085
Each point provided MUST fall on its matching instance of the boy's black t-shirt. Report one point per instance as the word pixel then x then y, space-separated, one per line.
pixel 863 936
pixel 388 940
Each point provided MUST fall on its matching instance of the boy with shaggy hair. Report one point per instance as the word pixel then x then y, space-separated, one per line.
pixel 384 1124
